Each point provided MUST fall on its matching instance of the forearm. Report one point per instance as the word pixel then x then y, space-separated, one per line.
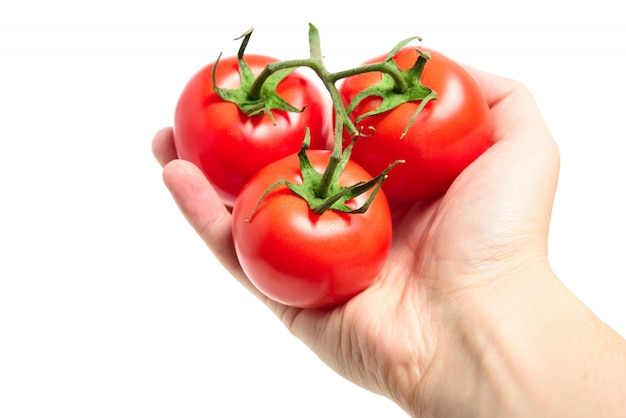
pixel 530 349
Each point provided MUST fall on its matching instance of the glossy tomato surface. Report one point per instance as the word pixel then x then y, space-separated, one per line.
pixel 302 259
pixel 447 135
pixel 230 147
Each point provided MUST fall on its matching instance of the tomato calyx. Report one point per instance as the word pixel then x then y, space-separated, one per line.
pixel 258 94
pixel 321 196
pixel 322 190
pixel 394 93
pixel 252 103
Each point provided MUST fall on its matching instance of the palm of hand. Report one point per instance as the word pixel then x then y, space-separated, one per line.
pixel 440 250
pixel 386 338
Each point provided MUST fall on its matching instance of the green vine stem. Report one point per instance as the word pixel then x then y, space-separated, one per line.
pixel 329 79
pixel 258 94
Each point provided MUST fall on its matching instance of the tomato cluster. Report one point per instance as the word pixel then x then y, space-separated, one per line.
pixel 311 222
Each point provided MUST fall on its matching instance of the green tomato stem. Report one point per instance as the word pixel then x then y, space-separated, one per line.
pixel 380 67
pixel 329 80
pixel 322 190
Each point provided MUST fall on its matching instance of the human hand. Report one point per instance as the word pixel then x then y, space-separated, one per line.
pixel 415 333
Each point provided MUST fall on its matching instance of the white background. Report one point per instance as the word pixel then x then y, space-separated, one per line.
pixel 111 306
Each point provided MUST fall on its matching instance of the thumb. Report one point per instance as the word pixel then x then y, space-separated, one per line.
pixel 519 173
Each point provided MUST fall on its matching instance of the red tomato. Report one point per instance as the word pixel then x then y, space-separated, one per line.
pixel 447 135
pixel 230 147
pixel 302 259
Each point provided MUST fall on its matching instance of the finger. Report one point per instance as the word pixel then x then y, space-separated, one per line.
pixel 494 87
pixel 202 208
pixel 515 113
pixel 204 211
pixel 519 124
pixel 163 146
pixel 521 168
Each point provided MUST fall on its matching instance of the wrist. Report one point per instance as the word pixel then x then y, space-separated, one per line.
pixel 523 346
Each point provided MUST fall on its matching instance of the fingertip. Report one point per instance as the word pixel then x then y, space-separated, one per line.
pixel 163 147
pixel 194 195
pixel 184 180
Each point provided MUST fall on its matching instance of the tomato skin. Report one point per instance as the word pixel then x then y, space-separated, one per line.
pixel 302 259
pixel 447 135
pixel 230 147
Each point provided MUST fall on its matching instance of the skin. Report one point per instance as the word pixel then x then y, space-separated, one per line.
pixel 466 317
